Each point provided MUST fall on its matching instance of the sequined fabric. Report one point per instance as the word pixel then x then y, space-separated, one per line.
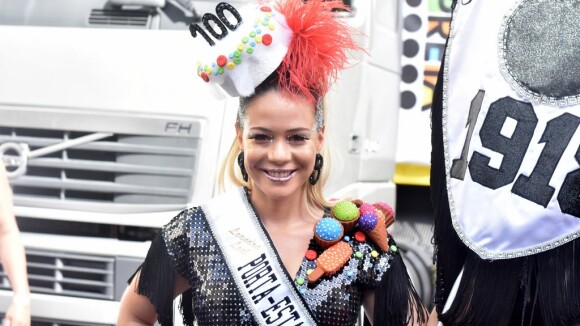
pixel 541 50
pixel 197 257
pixel 334 300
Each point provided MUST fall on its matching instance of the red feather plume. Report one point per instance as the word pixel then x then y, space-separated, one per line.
pixel 319 47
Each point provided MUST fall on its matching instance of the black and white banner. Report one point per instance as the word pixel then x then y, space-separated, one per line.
pixel 511 125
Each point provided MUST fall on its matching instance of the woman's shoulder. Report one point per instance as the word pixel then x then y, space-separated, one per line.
pixel 186 215
pixel 181 222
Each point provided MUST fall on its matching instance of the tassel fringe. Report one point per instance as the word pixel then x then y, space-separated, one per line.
pixel 396 300
pixel 156 280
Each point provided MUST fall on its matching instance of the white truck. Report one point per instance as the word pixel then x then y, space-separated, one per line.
pixel 107 133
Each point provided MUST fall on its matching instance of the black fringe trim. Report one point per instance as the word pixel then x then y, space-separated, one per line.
pixel 449 251
pixel 186 307
pixel 396 300
pixel 483 299
pixel 541 289
pixel 156 282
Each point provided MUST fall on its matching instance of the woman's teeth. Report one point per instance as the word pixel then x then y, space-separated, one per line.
pixel 280 176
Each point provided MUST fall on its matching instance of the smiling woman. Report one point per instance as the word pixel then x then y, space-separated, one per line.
pixel 275 251
pixel 280 143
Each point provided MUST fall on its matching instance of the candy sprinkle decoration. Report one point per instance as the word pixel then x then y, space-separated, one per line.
pixel 327 232
pixel 366 208
pixel 330 261
pixel 367 221
pixel 345 211
pixel 328 229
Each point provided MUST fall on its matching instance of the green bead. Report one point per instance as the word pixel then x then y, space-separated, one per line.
pixel 394 248
pixel 358 254
pixel 245 39
pixel 237 61
pixel 252 34
pixel 220 70
pixel 300 281
pixel 250 50
pixel 237 54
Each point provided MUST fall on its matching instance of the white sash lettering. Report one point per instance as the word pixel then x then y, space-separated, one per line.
pixel 265 287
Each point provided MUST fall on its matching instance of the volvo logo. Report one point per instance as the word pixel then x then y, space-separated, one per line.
pixel 15 158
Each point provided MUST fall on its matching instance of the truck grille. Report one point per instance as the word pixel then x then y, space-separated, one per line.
pixel 133 171
pixel 120 18
pixel 68 274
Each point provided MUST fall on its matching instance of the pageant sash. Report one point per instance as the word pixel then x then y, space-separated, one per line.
pixel 259 275
pixel 511 117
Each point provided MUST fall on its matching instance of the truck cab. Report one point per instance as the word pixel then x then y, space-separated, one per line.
pixel 107 133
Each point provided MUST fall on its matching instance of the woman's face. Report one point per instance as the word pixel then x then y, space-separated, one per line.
pixel 280 143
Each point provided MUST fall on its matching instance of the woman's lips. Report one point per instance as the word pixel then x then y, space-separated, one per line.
pixel 279 175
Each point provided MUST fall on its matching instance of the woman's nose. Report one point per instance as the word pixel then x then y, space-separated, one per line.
pixel 279 151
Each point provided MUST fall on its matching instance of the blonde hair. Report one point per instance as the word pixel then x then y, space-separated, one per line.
pixel 314 194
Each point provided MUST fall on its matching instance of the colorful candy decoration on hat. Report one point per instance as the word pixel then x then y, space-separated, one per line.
pixel 347 213
pixel 327 232
pixel 244 49
pixel 303 40
pixel 331 261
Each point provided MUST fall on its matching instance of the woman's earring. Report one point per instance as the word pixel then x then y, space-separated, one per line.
pixel 318 163
pixel 242 167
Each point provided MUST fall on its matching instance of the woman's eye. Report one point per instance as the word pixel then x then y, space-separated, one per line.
pixel 297 138
pixel 260 138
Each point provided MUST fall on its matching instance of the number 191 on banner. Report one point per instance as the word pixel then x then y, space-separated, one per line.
pixel 535 187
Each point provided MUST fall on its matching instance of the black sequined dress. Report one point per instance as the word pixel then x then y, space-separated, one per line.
pixel 186 246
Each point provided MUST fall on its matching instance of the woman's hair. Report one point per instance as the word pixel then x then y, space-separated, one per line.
pixel 229 171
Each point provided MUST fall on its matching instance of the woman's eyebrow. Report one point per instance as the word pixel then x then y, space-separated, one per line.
pixel 260 129
pixel 300 129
